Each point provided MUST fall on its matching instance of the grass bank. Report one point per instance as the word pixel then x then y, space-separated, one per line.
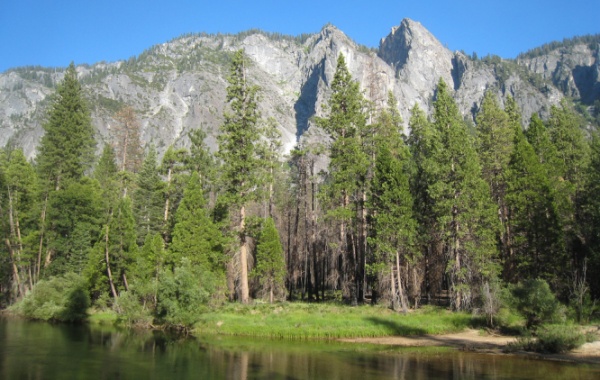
pixel 327 321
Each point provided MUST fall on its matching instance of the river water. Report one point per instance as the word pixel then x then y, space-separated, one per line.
pixel 37 350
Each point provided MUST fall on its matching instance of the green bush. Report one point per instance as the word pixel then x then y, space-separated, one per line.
pixel 536 302
pixel 551 339
pixel 61 298
pixel 183 294
pixel 584 310
pixel 555 339
pixel 131 311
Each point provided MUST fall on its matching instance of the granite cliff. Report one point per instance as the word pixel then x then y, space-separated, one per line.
pixel 180 85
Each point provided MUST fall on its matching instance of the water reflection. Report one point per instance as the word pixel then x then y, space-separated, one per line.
pixel 30 350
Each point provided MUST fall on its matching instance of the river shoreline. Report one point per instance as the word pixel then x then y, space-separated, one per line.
pixel 473 340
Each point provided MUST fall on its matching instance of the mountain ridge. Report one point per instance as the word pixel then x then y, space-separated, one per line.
pixel 180 85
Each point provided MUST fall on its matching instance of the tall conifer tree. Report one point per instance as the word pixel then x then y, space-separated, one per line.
pixel 270 263
pixel 495 139
pixel 424 142
pixel 393 225
pixel 148 203
pixel 173 169
pixel 347 176
pixel 66 150
pixel 462 203
pixel 120 246
pixel 19 181
pixel 238 151
pixel 573 154
pixel 195 236
pixel 532 219
pixel 590 219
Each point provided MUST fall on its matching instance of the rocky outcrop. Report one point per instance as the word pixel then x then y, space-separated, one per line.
pixel 572 69
pixel 419 61
pixel 180 85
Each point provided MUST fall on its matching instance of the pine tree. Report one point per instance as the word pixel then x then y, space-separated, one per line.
pixel 106 173
pixel 238 151
pixel 270 263
pixel 494 144
pixel 173 170
pixel 201 160
pixel 65 153
pixel 346 184
pixel 74 215
pixel 563 185
pixel 195 236
pixel 119 242
pixel 66 150
pixel 20 184
pixel 148 265
pixel 148 203
pixel 573 152
pixel 270 152
pixel 495 138
pixel 565 128
pixel 532 218
pixel 424 143
pixel 590 219
pixel 462 203
pixel 388 128
pixel 393 225
pixel 539 138
pixel 106 169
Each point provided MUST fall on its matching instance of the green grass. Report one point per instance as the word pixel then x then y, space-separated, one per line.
pixel 327 321
pixel 104 317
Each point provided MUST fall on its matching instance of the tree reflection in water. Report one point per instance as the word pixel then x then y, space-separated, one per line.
pixel 35 350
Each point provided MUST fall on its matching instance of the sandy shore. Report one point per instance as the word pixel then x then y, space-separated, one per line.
pixel 473 340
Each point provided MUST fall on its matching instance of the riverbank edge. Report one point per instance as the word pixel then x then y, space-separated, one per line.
pixel 472 341
pixel 469 339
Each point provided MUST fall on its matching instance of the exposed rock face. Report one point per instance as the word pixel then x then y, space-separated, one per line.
pixel 574 70
pixel 180 85
pixel 419 61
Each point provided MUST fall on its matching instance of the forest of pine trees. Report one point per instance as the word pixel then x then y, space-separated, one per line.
pixel 441 215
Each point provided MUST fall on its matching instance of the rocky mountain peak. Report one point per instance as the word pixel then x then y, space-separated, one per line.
pixel 409 43
pixel 180 85
pixel 416 56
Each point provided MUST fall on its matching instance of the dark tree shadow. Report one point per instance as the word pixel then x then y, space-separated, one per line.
pixel 396 328
pixel 306 103
pixel 75 310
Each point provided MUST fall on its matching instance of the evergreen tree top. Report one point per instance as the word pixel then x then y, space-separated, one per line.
pixel 66 150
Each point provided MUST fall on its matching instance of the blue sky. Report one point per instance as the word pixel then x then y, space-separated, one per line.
pixel 54 33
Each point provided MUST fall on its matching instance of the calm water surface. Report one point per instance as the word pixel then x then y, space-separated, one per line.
pixel 35 350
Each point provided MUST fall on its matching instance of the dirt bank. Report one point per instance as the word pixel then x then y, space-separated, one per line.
pixel 474 340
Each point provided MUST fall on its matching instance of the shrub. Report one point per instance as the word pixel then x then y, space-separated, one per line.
pixel 551 339
pixel 131 311
pixel 183 294
pixel 537 303
pixel 555 339
pixel 61 298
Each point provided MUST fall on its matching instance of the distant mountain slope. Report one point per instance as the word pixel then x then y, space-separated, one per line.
pixel 180 85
